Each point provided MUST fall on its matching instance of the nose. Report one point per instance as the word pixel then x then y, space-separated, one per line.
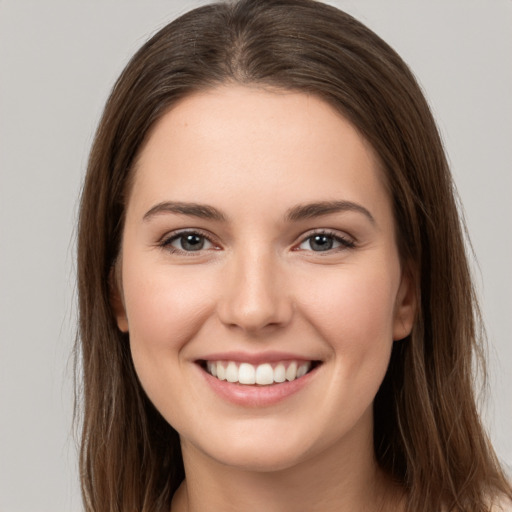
pixel 255 298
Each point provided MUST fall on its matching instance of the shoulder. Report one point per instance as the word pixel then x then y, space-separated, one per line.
pixel 501 505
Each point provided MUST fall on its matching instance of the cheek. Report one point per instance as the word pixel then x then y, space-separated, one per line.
pixel 165 312
pixel 162 307
pixel 353 309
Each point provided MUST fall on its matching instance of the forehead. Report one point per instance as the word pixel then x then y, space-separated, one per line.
pixel 236 142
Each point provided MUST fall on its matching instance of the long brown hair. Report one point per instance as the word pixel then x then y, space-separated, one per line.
pixel 427 432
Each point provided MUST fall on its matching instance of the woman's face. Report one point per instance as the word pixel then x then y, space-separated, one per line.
pixel 259 244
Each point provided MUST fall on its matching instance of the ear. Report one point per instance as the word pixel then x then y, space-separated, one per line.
pixel 116 296
pixel 406 305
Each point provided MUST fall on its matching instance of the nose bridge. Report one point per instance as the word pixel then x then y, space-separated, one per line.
pixel 254 296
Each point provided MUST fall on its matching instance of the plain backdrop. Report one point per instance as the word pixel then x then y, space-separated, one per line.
pixel 58 61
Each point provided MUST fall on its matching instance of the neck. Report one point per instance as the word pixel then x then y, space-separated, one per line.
pixel 344 478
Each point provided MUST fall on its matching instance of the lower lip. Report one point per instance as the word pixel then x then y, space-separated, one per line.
pixel 254 395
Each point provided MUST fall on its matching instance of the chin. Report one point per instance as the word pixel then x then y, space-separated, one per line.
pixel 256 459
pixel 248 451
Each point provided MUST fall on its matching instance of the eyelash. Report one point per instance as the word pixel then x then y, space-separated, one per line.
pixel 345 243
pixel 167 241
pixel 165 244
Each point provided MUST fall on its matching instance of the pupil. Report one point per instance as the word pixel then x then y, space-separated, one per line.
pixel 192 242
pixel 321 243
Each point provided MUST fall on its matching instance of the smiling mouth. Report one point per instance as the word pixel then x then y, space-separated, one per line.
pixel 265 374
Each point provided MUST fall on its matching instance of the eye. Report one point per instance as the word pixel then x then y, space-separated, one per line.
pixel 321 242
pixel 189 241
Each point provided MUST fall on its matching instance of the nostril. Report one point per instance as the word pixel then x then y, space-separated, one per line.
pixel 252 320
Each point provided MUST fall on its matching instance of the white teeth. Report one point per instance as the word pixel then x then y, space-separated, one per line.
pixel 280 373
pixel 302 370
pixel 212 368
pixel 221 372
pixel 263 374
pixel 291 372
pixel 246 374
pixel 232 372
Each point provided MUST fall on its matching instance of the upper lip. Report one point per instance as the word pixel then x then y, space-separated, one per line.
pixel 255 358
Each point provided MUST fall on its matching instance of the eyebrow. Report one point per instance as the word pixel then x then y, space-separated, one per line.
pixel 202 211
pixel 294 214
pixel 312 210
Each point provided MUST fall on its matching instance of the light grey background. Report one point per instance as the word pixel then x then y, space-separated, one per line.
pixel 58 60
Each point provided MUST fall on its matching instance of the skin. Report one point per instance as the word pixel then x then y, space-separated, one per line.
pixel 259 285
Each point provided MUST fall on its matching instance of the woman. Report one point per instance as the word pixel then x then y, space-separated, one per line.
pixel 276 311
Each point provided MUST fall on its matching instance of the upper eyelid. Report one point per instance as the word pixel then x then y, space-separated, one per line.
pixel 335 233
pixel 345 240
pixel 173 235
pixel 166 241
